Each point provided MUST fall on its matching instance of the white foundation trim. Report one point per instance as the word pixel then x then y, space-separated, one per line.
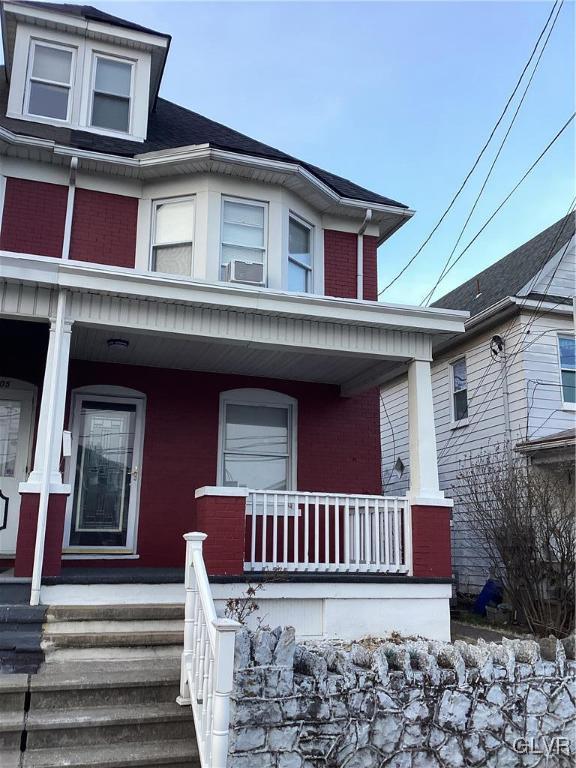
pixel 218 490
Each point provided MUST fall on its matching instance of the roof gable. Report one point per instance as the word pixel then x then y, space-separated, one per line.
pixel 511 274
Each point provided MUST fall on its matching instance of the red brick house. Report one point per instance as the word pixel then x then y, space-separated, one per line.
pixel 191 340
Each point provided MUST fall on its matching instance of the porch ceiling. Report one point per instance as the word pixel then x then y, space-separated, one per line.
pixel 185 353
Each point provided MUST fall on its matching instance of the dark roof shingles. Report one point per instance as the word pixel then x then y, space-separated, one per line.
pixel 508 275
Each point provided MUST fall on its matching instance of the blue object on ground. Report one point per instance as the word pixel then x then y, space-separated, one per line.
pixel 491 593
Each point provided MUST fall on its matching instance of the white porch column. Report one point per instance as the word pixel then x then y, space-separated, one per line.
pixel 52 407
pixel 424 487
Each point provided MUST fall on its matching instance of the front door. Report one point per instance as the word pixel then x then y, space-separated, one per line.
pixel 16 401
pixel 105 468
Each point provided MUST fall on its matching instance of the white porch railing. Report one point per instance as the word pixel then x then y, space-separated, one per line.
pixel 296 531
pixel 207 668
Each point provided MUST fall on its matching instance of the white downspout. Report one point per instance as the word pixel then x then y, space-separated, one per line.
pixel 47 463
pixel 360 255
pixel 69 209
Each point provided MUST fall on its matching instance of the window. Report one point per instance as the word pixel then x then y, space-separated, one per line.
pixel 173 236
pixel 111 94
pixel 299 256
pixel 49 80
pixel 243 241
pixel 459 390
pixel 567 348
pixel 257 437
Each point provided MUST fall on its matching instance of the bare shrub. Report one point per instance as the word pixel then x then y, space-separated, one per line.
pixel 523 517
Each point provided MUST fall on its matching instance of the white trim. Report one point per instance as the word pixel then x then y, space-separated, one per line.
pixel 156 203
pixel 454 422
pixel 34 42
pixel 309 270
pixel 422 433
pixel 132 63
pixel 566 405
pixel 83 276
pixel 112 394
pixel 221 490
pixel 265 205
pixel 263 398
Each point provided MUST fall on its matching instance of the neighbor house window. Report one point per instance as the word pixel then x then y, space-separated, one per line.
pixel 459 390
pixel 299 256
pixel 243 258
pixel 257 435
pixel 567 347
pixel 173 236
pixel 49 86
pixel 111 94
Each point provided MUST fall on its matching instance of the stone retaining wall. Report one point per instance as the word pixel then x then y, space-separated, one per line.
pixel 414 704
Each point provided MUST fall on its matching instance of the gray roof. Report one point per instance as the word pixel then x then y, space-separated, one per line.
pixel 508 275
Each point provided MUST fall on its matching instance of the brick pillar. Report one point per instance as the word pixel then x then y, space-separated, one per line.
pixel 221 514
pixel 431 551
pixel 27 534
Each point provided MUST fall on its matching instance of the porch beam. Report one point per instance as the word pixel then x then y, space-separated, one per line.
pixel 376 375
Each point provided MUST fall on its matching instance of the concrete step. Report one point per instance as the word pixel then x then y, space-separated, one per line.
pixel 115 639
pixel 55 655
pixel 125 612
pixel 178 753
pixel 14 591
pixel 108 725
pixel 70 685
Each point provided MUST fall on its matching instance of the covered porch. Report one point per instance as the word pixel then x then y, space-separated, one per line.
pixel 162 359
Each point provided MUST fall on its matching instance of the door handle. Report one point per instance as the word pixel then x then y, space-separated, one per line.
pixel 134 473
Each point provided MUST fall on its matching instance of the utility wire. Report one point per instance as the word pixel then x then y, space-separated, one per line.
pixel 503 203
pixel 429 295
pixel 478 158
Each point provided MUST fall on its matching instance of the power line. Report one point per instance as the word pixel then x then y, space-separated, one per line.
pixel 503 203
pixel 428 297
pixel 478 158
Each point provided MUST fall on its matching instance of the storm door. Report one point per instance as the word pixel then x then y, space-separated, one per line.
pixel 105 472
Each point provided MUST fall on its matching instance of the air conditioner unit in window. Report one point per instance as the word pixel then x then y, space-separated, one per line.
pixel 244 272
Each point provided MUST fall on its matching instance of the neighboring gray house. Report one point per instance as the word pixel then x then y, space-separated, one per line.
pixel 510 379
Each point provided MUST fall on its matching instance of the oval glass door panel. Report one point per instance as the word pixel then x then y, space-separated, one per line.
pixel 104 475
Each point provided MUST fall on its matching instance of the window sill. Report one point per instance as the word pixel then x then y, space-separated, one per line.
pixel 459 424
pixel 569 407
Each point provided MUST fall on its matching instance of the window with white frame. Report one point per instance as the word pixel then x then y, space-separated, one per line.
pixel 567 350
pixel 173 236
pixel 49 84
pixel 111 93
pixel 257 440
pixel 243 248
pixel 459 390
pixel 299 256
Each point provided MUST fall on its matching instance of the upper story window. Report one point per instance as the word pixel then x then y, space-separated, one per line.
pixel 459 390
pixel 567 349
pixel 173 236
pixel 49 83
pixel 299 256
pixel 111 94
pixel 243 246
pixel 257 440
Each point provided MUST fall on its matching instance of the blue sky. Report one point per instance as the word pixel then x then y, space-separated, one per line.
pixel 397 96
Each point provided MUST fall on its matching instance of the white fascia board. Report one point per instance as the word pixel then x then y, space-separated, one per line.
pixel 544 306
pixel 172 157
pixel 91 28
pixel 80 276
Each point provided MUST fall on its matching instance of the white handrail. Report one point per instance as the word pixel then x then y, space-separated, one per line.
pixel 329 532
pixel 207 667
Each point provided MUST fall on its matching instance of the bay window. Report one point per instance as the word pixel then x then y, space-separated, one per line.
pixel 299 256
pixel 49 85
pixel 173 236
pixel 459 390
pixel 111 93
pixel 243 243
pixel 257 439
pixel 567 350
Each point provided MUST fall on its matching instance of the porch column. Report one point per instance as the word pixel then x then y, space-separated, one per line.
pixel 431 512
pixel 221 514
pixel 44 495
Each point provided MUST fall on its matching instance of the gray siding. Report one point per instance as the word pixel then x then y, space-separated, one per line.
pixel 531 345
